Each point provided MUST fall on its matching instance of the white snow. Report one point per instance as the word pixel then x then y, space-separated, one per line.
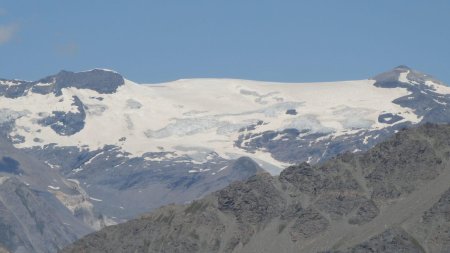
pixel 366 139
pixel 224 167
pixel 51 165
pixel 103 69
pixel 77 170
pixel 439 102
pixel 198 170
pixel 3 179
pixel 187 117
pixel 435 86
pixel 54 187
pixel 95 156
pixel 439 88
pixel 9 83
pixel 43 84
pixel 403 77
pixel 74 181
pixel 94 199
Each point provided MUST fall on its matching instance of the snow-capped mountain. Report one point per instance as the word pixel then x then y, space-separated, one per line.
pixel 117 148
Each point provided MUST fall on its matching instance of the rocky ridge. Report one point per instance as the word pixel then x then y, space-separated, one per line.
pixel 393 198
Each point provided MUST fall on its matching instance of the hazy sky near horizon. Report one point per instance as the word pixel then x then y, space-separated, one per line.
pixel 275 40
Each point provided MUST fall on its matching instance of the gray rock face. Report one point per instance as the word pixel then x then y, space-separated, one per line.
pixel 308 224
pixel 390 78
pixel 26 221
pixel 102 81
pixel 109 185
pixel 252 202
pixel 336 206
pixel 389 118
pixel 66 123
pixel 424 99
pixel 29 222
pixel 31 218
pixel 436 222
pixel 18 89
pixel 127 186
pixel 390 241
pixel 9 165
pixel 291 112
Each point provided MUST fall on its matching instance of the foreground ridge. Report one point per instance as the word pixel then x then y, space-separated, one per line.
pixel 393 198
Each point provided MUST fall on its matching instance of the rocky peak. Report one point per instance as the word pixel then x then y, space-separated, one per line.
pixel 405 77
pixel 101 80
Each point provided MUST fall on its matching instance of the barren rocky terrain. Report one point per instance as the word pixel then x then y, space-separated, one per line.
pixel 393 198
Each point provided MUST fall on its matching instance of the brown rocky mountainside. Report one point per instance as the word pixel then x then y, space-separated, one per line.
pixel 393 198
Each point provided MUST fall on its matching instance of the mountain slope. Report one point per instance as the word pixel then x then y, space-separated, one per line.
pixel 29 221
pixel 393 198
pixel 108 149
pixel 32 219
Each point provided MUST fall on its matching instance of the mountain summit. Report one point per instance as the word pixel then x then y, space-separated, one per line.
pixel 100 80
pixel 129 148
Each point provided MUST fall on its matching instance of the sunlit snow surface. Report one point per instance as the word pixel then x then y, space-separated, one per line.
pixel 205 114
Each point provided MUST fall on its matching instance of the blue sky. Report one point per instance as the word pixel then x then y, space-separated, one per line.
pixel 277 40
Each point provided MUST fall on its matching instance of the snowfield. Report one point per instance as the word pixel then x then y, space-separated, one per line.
pixel 205 113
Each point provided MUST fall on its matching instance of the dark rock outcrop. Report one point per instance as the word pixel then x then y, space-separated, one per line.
pixel 102 81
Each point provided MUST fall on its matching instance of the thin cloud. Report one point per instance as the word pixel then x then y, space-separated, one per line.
pixel 68 49
pixel 2 12
pixel 7 32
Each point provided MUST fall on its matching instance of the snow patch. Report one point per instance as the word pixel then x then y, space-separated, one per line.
pixel 9 83
pixel 94 199
pixel 198 170
pixel 3 179
pixel 43 84
pixel 403 77
pixel 95 156
pixel 165 119
pixel 437 87
pixel 56 188
pixel 224 167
